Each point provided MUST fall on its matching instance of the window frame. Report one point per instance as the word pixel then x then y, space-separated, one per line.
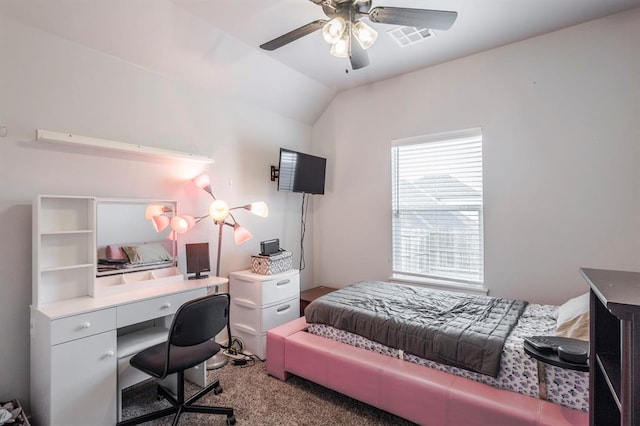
pixel 431 278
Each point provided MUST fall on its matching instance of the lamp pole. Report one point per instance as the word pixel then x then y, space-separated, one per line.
pixel 220 225
pixel 220 359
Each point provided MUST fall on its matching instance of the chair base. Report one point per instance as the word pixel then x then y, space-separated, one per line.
pixel 219 360
pixel 180 406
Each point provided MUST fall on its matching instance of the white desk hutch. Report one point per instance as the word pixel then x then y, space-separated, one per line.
pixel 85 328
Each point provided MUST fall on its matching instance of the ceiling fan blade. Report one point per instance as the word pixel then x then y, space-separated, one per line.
pixel 357 55
pixel 420 18
pixel 294 35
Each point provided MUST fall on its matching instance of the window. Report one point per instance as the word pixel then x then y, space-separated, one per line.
pixel 437 207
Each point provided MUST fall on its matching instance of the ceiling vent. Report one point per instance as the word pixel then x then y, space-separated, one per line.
pixel 406 36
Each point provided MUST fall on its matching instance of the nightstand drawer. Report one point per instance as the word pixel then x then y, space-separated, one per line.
pixel 264 290
pixel 276 290
pixel 83 325
pixel 280 313
pixel 263 319
pixel 157 307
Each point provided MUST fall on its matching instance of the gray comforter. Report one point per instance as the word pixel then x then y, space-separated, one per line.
pixel 463 330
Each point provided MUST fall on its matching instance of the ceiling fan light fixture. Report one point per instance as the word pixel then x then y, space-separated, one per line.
pixel 365 35
pixel 342 24
pixel 334 30
pixel 340 48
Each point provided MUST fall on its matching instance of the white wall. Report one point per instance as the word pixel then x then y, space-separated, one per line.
pixel 47 82
pixel 561 122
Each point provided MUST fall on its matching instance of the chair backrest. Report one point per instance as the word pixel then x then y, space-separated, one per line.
pixel 199 320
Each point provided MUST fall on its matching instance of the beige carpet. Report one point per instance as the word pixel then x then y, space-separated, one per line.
pixel 259 399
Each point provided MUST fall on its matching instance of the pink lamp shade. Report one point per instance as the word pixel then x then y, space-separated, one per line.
pixel 259 208
pixel 153 210
pixel 191 222
pixel 173 236
pixel 241 234
pixel 203 182
pixel 219 210
pixel 179 224
pixel 160 222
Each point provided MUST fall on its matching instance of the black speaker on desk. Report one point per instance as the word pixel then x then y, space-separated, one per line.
pixel 269 247
pixel 573 353
pixel 198 260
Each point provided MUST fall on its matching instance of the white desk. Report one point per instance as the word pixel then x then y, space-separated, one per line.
pixel 76 345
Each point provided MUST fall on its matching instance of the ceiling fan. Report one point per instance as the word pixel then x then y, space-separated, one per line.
pixel 350 37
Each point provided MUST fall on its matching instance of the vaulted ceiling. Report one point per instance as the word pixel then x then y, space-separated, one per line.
pixel 215 43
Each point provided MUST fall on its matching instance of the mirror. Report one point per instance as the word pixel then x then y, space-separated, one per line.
pixel 127 242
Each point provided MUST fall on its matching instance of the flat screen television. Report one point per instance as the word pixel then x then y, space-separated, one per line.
pixel 197 260
pixel 300 172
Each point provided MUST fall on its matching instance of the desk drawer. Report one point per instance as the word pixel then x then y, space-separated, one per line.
pixel 83 325
pixel 133 313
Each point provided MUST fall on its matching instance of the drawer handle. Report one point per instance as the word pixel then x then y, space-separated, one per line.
pixel 109 354
pixel 85 325
pixel 283 308
pixel 165 306
pixel 283 282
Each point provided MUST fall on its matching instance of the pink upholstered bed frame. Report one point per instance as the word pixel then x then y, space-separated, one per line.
pixel 416 393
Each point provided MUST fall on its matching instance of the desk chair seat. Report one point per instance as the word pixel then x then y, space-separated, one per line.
pixel 190 343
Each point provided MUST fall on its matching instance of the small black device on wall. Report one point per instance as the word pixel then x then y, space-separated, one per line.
pixel 197 260
pixel 269 247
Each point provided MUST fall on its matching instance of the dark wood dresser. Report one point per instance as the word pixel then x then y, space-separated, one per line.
pixel 614 375
pixel 312 294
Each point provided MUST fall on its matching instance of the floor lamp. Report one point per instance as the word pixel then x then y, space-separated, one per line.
pixel 221 215
pixel 220 359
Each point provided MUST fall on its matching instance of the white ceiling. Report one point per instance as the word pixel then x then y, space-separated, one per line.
pixel 214 43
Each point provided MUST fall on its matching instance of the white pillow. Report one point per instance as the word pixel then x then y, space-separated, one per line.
pixel 573 318
pixel 572 308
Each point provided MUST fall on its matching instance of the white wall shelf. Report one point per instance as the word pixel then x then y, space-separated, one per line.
pixel 71 139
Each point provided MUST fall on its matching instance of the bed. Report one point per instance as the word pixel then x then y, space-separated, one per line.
pixel 358 347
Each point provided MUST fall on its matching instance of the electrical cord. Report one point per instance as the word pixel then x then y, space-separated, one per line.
pixel 236 347
pixel 303 228
pixel 247 361
pixel 228 322
pixel 235 351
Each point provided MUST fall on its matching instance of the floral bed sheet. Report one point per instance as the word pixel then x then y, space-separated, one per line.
pixel 518 371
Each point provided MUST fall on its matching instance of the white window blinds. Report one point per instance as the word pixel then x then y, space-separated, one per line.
pixel 437 206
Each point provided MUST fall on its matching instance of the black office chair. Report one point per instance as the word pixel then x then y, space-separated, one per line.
pixel 190 342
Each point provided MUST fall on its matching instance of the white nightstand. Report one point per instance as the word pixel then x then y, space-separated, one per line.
pixel 259 303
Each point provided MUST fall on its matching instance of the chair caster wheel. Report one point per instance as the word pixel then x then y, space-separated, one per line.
pixel 217 390
pixel 231 420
